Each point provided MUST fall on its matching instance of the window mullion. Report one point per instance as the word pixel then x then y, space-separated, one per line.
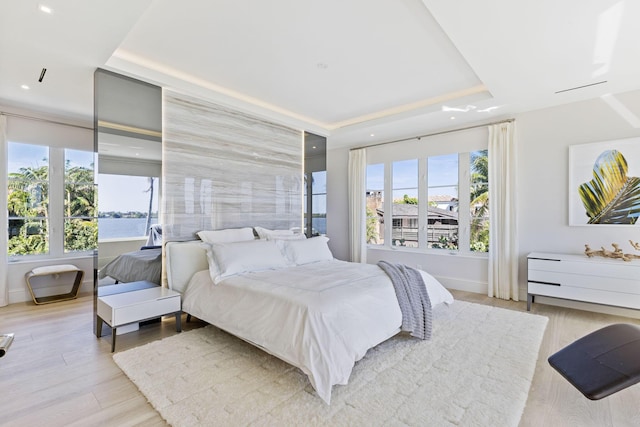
pixel 388 204
pixel 423 202
pixel 464 205
pixel 56 202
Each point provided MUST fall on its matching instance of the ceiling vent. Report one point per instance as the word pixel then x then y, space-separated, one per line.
pixel 581 87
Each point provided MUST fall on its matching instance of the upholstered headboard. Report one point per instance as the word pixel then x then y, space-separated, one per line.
pixel 183 260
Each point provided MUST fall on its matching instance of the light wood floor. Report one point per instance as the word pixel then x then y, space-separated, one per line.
pixel 59 374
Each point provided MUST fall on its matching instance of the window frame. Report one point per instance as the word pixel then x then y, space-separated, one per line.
pixel 56 214
pixel 463 145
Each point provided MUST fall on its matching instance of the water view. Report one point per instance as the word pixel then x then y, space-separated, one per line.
pixel 112 228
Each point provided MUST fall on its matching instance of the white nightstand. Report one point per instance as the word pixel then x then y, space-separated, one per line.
pixel 136 306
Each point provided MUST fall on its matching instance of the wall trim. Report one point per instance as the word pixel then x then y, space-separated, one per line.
pixel 463 285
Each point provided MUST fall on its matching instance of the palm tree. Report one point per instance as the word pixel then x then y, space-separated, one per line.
pixel 150 191
pixel 80 200
pixel 80 229
pixel 28 204
pixel 479 200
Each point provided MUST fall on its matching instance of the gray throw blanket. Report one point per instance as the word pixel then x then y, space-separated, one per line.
pixel 413 298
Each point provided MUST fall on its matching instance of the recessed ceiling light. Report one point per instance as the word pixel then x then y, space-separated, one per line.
pixel 25 87
pixel 373 134
pixel 45 9
pixel 452 117
pixel 314 147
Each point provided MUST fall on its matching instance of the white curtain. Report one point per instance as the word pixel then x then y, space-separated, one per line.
pixel 503 239
pixel 357 205
pixel 4 286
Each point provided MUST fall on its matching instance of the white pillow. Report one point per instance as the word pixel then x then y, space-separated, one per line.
pixel 308 250
pixel 296 236
pixel 265 233
pixel 226 235
pixel 229 259
pixel 438 294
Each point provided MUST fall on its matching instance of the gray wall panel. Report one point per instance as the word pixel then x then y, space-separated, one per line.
pixel 225 169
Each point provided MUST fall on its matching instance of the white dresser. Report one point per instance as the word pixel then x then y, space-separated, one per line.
pixel 580 278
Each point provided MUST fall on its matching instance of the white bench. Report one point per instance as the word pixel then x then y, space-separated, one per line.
pixel 51 270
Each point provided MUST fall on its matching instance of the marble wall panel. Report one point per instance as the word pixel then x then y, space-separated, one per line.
pixel 223 168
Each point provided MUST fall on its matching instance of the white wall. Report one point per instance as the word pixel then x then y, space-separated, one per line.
pixel 455 271
pixel 543 139
pixel 48 133
pixel 338 202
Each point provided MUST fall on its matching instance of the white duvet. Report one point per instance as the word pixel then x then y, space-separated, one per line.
pixel 321 317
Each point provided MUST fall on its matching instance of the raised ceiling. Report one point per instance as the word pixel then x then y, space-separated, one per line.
pixel 344 69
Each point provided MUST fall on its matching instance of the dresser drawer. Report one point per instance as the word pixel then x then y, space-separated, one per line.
pixel 585 281
pixel 610 269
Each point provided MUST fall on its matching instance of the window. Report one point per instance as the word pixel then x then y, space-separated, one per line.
pixel 315 194
pixel 80 219
pixel 375 204
pixel 479 201
pixel 50 213
pixel 28 199
pixel 405 203
pixel 128 205
pixel 319 203
pixel 439 199
pixel 442 196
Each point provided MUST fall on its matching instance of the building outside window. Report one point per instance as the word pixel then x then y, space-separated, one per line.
pixel 442 195
pixel 405 203
pixel 450 200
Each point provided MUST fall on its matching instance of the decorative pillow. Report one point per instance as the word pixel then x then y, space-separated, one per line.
pixel 308 250
pixel 226 235
pixel 229 259
pixel 265 233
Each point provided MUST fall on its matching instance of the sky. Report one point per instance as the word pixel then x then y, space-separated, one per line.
pixel 442 176
pixel 125 193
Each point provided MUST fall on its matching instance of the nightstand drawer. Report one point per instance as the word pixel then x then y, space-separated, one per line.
pixel 146 310
pixel 129 307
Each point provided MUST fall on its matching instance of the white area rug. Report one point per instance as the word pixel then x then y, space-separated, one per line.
pixel 476 371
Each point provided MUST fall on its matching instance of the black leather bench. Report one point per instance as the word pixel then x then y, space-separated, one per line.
pixel 603 362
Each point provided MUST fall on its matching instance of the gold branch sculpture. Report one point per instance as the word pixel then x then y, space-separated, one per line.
pixel 617 253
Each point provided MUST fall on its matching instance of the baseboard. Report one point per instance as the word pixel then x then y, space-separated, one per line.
pixel 463 285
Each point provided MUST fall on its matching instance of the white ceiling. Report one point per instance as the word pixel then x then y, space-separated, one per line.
pixel 343 69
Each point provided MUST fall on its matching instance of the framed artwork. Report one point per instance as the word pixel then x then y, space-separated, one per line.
pixel 604 183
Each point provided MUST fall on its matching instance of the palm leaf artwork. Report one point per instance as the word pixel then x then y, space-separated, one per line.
pixel 611 197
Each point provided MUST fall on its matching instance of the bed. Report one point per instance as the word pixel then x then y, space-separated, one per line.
pixel 135 266
pixel 301 305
